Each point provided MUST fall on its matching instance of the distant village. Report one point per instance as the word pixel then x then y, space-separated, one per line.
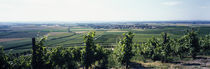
pixel 118 26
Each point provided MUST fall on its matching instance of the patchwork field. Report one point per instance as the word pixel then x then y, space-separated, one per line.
pixel 18 39
pixel 10 39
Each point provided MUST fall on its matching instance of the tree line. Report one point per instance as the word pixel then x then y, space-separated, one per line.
pixel 163 49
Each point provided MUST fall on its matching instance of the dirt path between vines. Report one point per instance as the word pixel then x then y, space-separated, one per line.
pixel 199 63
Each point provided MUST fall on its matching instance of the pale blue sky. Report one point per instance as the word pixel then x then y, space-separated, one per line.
pixel 103 10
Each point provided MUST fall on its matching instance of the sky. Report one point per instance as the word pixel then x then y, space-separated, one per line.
pixel 104 10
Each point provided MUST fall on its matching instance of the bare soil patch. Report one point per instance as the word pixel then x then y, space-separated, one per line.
pixel 10 39
pixel 82 29
pixel 81 32
pixel 199 63
pixel 116 31
pixel 56 33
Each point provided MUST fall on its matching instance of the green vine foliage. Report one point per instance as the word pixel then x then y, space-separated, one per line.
pixel 159 49
pixel 65 57
pixel 162 48
pixel 90 49
pixel 3 60
pixel 124 49
pixel 189 44
pixel 39 57
pixel 205 44
pixel 21 62
pixel 93 52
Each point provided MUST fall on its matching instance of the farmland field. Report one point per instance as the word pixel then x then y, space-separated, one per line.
pixel 104 34
pixel 18 38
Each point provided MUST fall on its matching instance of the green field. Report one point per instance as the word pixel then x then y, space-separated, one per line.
pixel 104 37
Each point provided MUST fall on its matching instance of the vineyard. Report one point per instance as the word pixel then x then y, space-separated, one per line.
pixel 84 47
pixel 104 34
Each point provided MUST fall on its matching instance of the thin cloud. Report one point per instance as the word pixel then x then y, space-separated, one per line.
pixel 204 7
pixel 172 3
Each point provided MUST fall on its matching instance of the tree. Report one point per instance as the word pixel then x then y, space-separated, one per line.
pixel 69 29
pixel 124 49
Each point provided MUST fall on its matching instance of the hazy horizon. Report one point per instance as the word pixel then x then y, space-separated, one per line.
pixel 103 10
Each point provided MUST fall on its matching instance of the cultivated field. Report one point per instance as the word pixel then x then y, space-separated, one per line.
pixel 17 39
